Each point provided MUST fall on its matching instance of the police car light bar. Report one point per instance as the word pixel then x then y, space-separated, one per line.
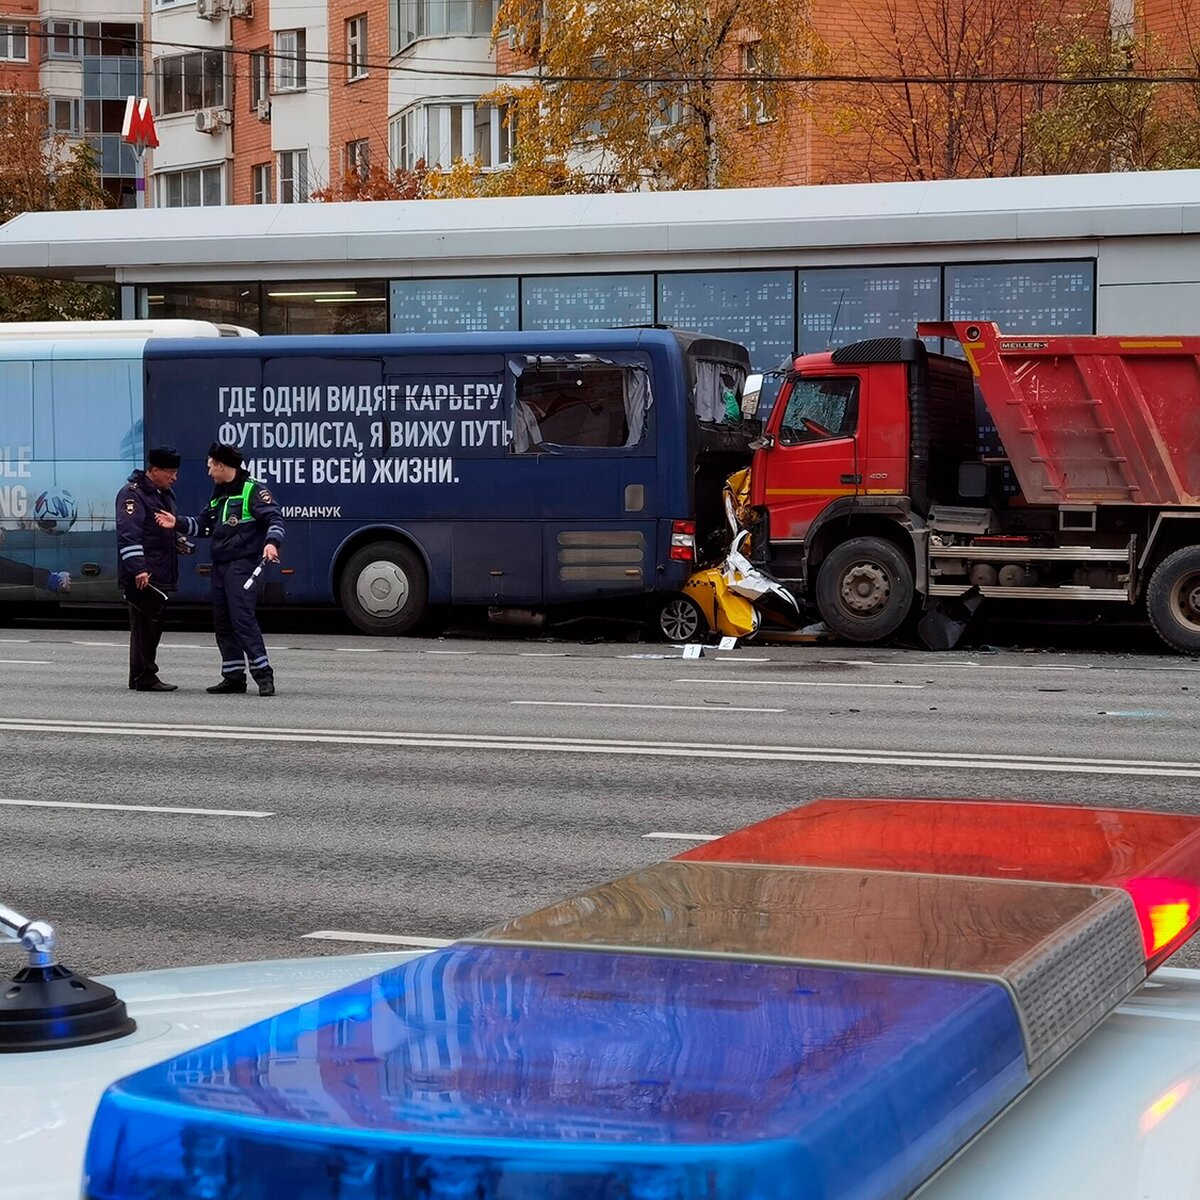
pixel 831 1003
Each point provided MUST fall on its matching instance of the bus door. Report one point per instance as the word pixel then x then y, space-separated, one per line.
pixel 583 435
pixel 450 480
pixel 815 457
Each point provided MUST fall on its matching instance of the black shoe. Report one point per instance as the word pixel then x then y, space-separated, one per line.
pixel 228 687
pixel 156 686
pixel 266 687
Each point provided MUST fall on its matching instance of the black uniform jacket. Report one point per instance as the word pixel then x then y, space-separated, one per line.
pixel 142 545
pixel 241 518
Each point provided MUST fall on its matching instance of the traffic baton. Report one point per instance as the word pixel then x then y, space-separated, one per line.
pixel 254 576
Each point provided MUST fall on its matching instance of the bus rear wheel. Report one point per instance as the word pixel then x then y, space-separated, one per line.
pixel 865 589
pixel 384 588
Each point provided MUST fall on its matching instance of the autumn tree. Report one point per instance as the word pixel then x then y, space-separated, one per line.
pixel 377 183
pixel 1120 116
pixel 947 88
pixel 44 173
pixel 632 94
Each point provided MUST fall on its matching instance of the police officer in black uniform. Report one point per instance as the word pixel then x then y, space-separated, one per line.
pixel 147 558
pixel 246 527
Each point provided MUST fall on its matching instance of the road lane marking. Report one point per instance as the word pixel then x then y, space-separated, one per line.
pixel 916 666
pixel 684 837
pixel 28 662
pixel 386 939
pixel 708 708
pixel 814 683
pixel 359 649
pixel 153 808
pixel 844 756
pixel 451 652
pixel 108 645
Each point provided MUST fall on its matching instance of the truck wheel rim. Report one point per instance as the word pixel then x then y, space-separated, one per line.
pixel 678 620
pixel 1186 599
pixel 866 589
pixel 382 588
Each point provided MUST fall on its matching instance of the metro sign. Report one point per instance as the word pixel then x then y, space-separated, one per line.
pixel 138 125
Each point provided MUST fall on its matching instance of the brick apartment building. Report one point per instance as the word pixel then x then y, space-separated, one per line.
pixel 266 101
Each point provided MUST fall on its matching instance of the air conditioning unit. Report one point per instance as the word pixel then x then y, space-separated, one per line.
pixel 241 8
pixel 208 120
pixel 262 110
pixel 209 10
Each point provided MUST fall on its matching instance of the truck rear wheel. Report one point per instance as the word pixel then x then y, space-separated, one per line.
pixel 865 589
pixel 1173 600
pixel 384 588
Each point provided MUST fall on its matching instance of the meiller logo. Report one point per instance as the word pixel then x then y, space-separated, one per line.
pixel 138 126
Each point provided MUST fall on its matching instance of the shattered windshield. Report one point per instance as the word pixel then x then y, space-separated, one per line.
pixel 820 408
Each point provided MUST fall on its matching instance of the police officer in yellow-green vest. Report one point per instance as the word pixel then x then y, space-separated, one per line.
pixel 246 527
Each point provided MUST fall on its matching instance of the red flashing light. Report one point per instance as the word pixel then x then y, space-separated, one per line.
pixel 1154 857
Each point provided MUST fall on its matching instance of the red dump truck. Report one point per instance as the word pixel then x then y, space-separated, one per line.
pixel 873 500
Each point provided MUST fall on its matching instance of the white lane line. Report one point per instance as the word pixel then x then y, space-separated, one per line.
pixel 543 654
pixel 709 708
pixel 449 652
pixel 152 808
pixel 737 658
pixel 733 752
pixel 866 662
pixel 358 649
pixel 28 662
pixel 16 641
pixel 108 645
pixel 386 939
pixel 812 683
pixel 683 837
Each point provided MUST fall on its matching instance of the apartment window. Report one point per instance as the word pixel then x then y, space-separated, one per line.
pixel 290 72
pixel 358 158
pixel 187 82
pixel 441 18
pixel 65 114
pixel 756 100
pixel 494 136
pixel 293 177
pixel 14 43
pixel 64 39
pixel 260 77
pixel 199 188
pixel 444 133
pixel 260 182
pixel 356 47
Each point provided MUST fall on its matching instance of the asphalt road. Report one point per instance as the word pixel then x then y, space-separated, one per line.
pixel 424 789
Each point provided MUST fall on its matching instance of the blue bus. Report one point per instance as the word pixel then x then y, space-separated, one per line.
pixel 517 471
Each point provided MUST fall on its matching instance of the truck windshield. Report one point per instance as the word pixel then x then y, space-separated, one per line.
pixel 820 408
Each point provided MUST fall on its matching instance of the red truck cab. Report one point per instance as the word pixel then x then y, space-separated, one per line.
pixel 873 498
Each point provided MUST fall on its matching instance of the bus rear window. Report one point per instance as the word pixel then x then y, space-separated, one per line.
pixel 573 405
pixel 719 387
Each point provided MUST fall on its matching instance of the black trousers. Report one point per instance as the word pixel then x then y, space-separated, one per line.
pixel 145 632
pixel 238 636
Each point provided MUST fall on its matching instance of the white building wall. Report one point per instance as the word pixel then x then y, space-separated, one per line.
pixel 300 120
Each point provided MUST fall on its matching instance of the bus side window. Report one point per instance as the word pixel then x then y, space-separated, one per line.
pixel 93 410
pixel 561 406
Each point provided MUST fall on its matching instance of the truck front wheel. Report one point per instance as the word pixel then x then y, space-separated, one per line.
pixel 384 589
pixel 865 589
pixel 1173 600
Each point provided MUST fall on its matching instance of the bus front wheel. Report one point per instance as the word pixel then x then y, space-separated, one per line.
pixel 384 588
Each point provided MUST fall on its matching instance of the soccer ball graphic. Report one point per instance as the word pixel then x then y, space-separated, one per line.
pixel 55 510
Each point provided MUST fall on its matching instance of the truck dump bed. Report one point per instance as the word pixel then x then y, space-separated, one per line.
pixel 1090 420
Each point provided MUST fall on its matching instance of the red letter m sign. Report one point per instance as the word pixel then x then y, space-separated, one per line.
pixel 138 126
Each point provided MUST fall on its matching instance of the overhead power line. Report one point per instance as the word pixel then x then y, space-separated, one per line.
pixel 1169 76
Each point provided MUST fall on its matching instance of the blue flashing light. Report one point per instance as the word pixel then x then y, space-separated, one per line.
pixel 494 1072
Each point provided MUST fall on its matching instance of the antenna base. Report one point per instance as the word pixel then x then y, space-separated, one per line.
pixel 51 1008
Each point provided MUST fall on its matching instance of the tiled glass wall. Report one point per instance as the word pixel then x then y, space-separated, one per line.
pixel 771 312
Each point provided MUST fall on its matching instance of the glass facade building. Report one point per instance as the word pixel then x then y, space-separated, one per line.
pixel 772 312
